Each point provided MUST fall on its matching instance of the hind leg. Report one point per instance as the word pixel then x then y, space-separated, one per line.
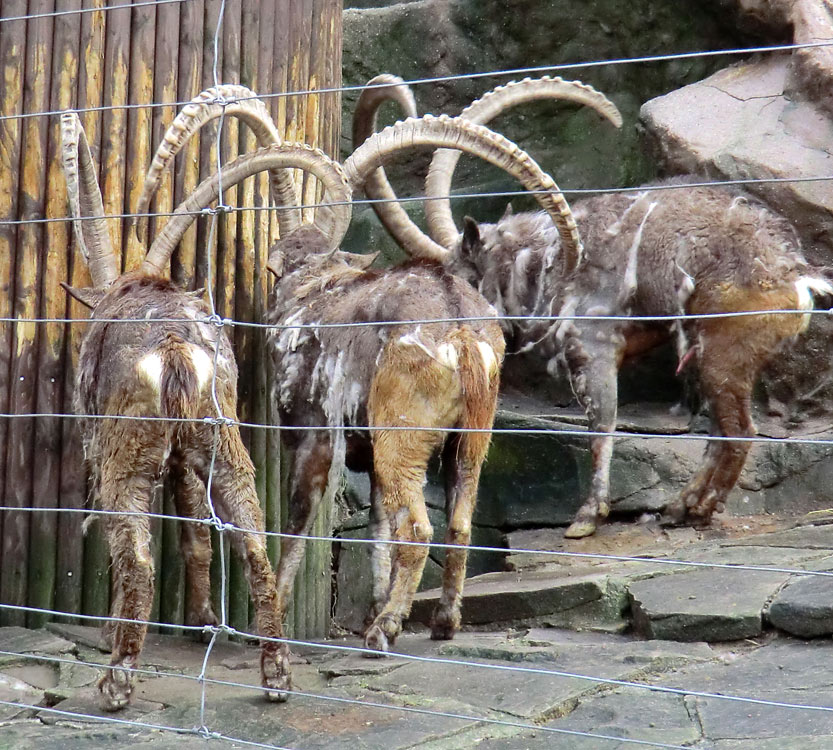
pixel 380 556
pixel 236 502
pixel 311 462
pixel 594 354
pixel 195 539
pixel 400 459
pixel 129 539
pixel 463 457
pixel 727 384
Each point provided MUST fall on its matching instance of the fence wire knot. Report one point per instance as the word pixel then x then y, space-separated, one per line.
pixel 219 421
pixel 206 733
pixel 221 525
pixel 217 320
pixel 220 208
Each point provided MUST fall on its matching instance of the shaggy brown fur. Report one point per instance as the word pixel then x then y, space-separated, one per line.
pixel 693 250
pixel 153 369
pixel 442 376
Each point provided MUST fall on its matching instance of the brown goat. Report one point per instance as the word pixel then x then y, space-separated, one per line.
pixel 688 250
pixel 133 379
pixel 362 383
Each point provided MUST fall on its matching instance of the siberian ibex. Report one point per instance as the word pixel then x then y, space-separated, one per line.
pixel 372 374
pixel 687 250
pixel 146 392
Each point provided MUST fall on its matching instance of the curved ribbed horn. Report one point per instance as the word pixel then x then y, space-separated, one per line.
pixel 394 218
pixel 84 197
pixel 463 135
pixel 279 156
pixel 231 100
pixel 438 214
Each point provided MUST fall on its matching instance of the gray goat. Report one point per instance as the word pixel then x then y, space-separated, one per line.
pixel 372 374
pixel 694 250
pixel 145 389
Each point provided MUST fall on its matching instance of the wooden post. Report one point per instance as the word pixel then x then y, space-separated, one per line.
pixel 110 64
pixel 24 363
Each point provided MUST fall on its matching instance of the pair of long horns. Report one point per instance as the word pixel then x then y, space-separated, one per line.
pixel 441 227
pixel 428 131
pixel 84 195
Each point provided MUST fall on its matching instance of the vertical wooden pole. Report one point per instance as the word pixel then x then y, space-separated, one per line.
pixel 12 61
pixel 171 576
pixel 186 175
pixel 113 159
pixel 227 263
pixel 71 552
pixel 24 366
pixel 43 541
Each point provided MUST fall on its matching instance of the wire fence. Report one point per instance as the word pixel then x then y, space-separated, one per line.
pixel 221 421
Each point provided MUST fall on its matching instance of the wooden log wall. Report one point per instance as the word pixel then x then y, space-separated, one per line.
pixel 110 62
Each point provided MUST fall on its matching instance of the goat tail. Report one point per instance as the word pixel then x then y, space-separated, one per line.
pixel 184 369
pixel 479 368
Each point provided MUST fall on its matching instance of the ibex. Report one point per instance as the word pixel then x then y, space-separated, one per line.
pixel 147 393
pixel 373 372
pixel 687 250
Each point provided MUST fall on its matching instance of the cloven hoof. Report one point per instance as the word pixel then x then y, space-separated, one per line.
pixel 580 529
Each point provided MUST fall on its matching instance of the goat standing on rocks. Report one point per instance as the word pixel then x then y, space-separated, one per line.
pixel 372 374
pixel 147 393
pixel 686 250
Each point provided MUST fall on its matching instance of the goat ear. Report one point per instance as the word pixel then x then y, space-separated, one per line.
pixel 471 237
pixel 361 261
pixel 508 211
pixel 197 293
pixel 88 296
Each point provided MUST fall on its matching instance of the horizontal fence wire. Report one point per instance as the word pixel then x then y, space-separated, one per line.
pixel 738 51
pixel 222 209
pixel 77 11
pixel 216 523
pixel 219 421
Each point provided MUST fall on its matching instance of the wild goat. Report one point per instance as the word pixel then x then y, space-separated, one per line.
pixel 372 374
pixel 692 250
pixel 133 379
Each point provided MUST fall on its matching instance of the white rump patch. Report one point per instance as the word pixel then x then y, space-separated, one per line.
pixel 150 371
pixel 203 366
pixel 487 354
pixel 447 355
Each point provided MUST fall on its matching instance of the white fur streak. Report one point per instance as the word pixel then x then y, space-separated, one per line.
pixel 203 366
pixel 487 354
pixel 150 371
pixel 446 354
pixel 806 287
pixel 629 285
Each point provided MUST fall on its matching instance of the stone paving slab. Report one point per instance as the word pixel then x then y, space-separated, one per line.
pixel 780 669
pixel 804 607
pixel 711 605
pixel 621 714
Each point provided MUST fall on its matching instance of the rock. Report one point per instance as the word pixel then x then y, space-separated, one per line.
pixel 804 607
pixel 589 600
pixel 354 581
pixel 730 720
pixel 23 697
pixel 22 641
pixel 626 713
pixel 705 605
pixel 429 38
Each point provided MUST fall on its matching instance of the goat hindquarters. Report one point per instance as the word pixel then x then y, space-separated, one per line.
pixel 454 388
pixel 731 353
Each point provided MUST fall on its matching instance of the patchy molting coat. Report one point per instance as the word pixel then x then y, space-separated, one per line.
pixel 433 375
pixel 165 369
pixel 652 252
